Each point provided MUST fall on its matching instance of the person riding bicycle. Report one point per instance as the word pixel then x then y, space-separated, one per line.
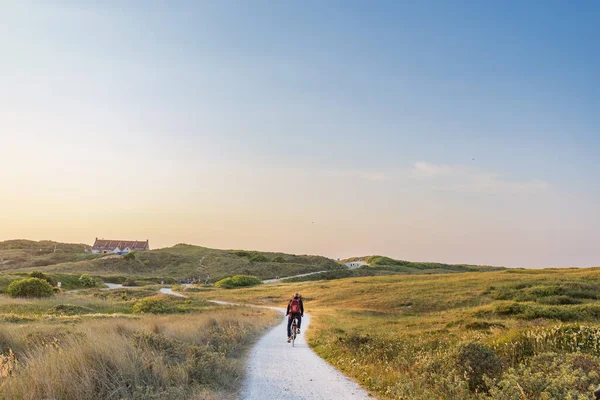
pixel 295 309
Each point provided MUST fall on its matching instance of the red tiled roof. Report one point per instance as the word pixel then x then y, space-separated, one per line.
pixel 110 245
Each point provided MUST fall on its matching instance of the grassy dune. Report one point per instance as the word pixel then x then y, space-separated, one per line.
pixel 82 346
pixel 512 334
pixel 18 254
pixel 178 262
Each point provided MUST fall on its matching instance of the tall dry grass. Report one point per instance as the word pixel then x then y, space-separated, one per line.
pixel 196 356
pixel 513 334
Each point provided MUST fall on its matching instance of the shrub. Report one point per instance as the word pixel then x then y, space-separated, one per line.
pixel 129 256
pixel 549 376
pixel 87 281
pixel 477 362
pixel 129 282
pixel 510 309
pixel 278 259
pixel 152 305
pixel 242 253
pixel 30 287
pixel 42 276
pixel 238 281
pixel 259 258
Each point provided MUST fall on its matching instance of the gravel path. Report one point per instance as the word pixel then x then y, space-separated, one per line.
pixel 290 277
pixel 277 371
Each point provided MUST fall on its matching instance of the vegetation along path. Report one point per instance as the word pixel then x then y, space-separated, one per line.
pixel 276 370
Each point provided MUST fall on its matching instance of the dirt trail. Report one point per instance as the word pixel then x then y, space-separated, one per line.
pixel 290 277
pixel 276 370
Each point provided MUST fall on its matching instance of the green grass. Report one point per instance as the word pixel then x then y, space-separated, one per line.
pixel 468 336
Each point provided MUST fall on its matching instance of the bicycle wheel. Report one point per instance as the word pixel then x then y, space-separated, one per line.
pixel 294 331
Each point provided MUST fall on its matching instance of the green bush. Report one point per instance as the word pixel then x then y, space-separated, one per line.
pixel 42 276
pixel 510 309
pixel 129 256
pixel 30 287
pixel 278 259
pixel 87 280
pixel 478 362
pixel 259 258
pixel 153 305
pixel 129 282
pixel 242 253
pixel 238 281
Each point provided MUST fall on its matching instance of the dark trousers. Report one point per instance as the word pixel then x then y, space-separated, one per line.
pixel 290 319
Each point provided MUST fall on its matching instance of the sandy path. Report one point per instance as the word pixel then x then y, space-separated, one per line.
pixel 289 277
pixel 276 370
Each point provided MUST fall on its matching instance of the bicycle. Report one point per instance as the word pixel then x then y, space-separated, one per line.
pixel 294 330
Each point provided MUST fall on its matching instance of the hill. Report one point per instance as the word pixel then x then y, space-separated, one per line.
pixel 179 262
pixel 17 254
pixel 380 265
pixel 508 334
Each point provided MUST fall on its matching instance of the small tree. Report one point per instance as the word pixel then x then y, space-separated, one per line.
pixel 30 287
pixel 87 280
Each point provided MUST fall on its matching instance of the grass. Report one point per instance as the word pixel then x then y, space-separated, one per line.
pixel 497 335
pixel 82 346
pixel 169 264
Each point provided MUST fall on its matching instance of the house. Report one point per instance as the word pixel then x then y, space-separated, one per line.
pixel 103 246
pixel 355 264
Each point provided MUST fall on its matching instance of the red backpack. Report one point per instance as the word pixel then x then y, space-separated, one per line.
pixel 295 306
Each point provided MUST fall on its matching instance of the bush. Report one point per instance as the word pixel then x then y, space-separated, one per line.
pixel 549 376
pixel 152 305
pixel 86 280
pixel 478 362
pixel 242 253
pixel 30 287
pixel 129 282
pixel 129 256
pixel 238 281
pixel 510 309
pixel 278 259
pixel 259 258
pixel 42 276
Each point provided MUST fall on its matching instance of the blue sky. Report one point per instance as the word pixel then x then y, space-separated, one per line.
pixel 435 130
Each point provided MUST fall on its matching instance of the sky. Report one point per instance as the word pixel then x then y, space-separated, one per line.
pixel 450 131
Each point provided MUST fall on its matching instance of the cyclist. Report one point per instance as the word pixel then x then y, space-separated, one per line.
pixel 295 309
